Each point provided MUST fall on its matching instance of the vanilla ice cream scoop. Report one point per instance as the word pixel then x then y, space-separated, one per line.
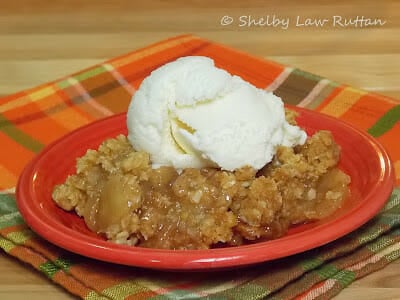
pixel 190 114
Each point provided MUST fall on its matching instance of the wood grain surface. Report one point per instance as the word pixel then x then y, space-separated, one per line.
pixel 41 40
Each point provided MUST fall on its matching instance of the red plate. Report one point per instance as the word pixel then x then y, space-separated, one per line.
pixel 362 158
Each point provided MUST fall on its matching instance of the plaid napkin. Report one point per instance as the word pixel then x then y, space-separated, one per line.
pixel 31 119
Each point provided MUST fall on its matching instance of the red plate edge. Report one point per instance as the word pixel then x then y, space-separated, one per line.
pixel 92 247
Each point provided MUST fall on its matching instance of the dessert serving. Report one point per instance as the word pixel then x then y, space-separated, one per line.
pixel 209 161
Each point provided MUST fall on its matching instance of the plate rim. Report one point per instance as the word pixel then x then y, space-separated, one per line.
pixel 204 259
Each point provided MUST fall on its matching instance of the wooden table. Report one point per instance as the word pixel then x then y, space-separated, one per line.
pixel 42 40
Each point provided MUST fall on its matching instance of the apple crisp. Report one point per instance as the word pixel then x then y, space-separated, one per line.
pixel 121 197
